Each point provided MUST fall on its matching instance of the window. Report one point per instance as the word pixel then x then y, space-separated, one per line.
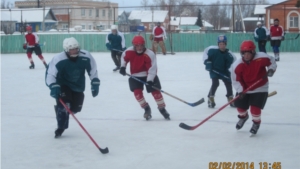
pixel 90 27
pixel 103 12
pixel 97 12
pixel 90 12
pixel 65 26
pixel 151 26
pixel 82 12
pixel 294 22
pixel 83 26
pixel 109 13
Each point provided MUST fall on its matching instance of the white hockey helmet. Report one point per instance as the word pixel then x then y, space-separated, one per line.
pixel 258 23
pixel 71 43
pixel 112 27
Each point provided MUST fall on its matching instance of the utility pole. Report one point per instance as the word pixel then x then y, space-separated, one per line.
pixel 44 18
pixel 233 22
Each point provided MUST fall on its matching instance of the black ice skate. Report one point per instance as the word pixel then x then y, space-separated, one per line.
pixel 241 122
pixel 164 112
pixel 229 99
pixel 58 132
pixel 147 114
pixel 211 102
pixel 31 66
pixel 117 68
pixel 277 57
pixel 254 128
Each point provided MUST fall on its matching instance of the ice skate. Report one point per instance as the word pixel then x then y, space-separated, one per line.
pixel 254 128
pixel 241 122
pixel 117 68
pixel 147 114
pixel 58 132
pixel 164 112
pixel 211 102
pixel 31 66
pixel 229 99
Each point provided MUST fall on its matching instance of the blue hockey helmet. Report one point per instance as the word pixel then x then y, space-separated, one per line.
pixel 222 38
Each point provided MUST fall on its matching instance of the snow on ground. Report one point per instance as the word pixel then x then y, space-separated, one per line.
pixel 115 120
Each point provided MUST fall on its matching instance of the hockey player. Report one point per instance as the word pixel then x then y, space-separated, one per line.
pixel 115 42
pixel 277 35
pixel 261 34
pixel 159 35
pixel 65 77
pixel 217 60
pixel 247 70
pixel 143 66
pixel 32 44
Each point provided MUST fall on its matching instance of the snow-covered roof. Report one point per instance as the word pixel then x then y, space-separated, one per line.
pixel 253 19
pixel 120 12
pixel 148 16
pixel 187 21
pixel 260 9
pixel 28 15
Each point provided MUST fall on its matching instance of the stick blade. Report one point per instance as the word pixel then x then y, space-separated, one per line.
pixel 104 151
pixel 198 102
pixel 186 127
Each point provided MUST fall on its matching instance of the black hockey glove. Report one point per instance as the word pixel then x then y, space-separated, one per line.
pixel 95 86
pixel 123 71
pixel 242 95
pixel 282 38
pixel 55 90
pixel 150 86
pixel 270 72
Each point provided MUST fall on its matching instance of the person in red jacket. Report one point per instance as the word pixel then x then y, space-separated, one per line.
pixel 32 44
pixel 246 71
pixel 277 35
pixel 143 66
pixel 159 35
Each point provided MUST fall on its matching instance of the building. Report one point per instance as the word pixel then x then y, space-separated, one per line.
pixel 147 19
pixel 31 16
pixel 188 24
pixel 287 13
pixel 85 13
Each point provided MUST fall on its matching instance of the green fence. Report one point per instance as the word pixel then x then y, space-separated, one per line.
pixel 181 42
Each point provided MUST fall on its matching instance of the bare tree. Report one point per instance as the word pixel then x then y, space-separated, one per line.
pixel 145 3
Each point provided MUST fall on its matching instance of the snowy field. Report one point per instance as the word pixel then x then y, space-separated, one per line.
pixel 115 120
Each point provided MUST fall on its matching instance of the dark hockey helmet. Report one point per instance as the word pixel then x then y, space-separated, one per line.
pixel 222 38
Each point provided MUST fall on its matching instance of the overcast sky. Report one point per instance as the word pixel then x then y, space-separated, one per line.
pixel 126 3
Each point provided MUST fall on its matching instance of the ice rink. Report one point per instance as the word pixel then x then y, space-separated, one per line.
pixel 115 120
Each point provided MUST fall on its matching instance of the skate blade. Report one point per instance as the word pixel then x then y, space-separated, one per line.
pixel 252 135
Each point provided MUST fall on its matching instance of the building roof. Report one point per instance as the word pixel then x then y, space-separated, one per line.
pixel 187 21
pixel 27 15
pixel 148 16
pixel 277 3
pixel 253 19
pixel 260 9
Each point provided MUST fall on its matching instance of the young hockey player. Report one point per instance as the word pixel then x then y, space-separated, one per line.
pixel 159 35
pixel 32 44
pixel 65 77
pixel 217 60
pixel 261 34
pixel 245 72
pixel 277 35
pixel 143 66
pixel 115 42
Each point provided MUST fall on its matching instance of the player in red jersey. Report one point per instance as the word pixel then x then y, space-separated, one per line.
pixel 277 35
pixel 247 70
pixel 32 44
pixel 143 67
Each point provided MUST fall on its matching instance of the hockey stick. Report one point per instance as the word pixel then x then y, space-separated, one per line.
pixel 221 74
pixel 272 93
pixel 103 151
pixel 293 38
pixel 187 127
pixel 190 104
pixel 117 50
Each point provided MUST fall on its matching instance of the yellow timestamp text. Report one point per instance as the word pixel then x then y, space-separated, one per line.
pixel 243 165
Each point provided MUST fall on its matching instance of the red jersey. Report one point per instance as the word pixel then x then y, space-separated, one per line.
pixel 31 39
pixel 244 74
pixel 140 65
pixel 276 32
pixel 159 33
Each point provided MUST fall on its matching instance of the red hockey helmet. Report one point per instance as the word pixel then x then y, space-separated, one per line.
pixel 247 45
pixel 28 28
pixel 138 40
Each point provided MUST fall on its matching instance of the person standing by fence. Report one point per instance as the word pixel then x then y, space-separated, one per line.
pixel 159 35
pixel 261 34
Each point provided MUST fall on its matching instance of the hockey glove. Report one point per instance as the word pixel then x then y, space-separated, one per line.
pixel 150 86
pixel 270 72
pixel 208 65
pixel 123 49
pixel 241 95
pixel 25 46
pixel 37 45
pixel 108 46
pixel 95 86
pixel 55 90
pixel 123 71
pixel 282 38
